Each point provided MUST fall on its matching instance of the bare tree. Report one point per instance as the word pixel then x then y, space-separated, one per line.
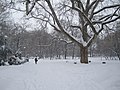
pixel 89 17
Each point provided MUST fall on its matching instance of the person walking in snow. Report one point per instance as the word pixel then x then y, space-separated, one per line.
pixel 36 60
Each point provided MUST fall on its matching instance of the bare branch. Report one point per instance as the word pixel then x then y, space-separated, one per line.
pixel 107 7
pixel 59 25
pixel 88 20
pixel 81 4
pixel 90 6
pixel 28 10
pixel 81 30
pixel 46 10
pixel 75 2
pixel 93 7
pixel 17 9
pixel 111 20
pixel 87 6
pixel 91 40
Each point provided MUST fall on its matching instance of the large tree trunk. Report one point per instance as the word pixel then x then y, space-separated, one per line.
pixel 84 55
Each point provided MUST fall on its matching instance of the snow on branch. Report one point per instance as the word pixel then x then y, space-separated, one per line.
pixel 66 41
pixel 44 9
pixel 87 19
pixel 81 30
pixel 79 40
pixel 60 26
pixel 91 40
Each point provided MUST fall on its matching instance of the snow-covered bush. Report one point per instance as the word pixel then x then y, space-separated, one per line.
pixel 14 60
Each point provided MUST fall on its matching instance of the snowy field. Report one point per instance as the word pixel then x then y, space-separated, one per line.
pixel 61 75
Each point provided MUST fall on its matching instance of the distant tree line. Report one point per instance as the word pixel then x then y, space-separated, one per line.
pixel 109 47
pixel 45 45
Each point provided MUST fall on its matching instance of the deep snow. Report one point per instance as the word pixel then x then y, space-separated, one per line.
pixel 61 75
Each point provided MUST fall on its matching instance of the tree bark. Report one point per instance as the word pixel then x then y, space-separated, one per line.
pixel 84 55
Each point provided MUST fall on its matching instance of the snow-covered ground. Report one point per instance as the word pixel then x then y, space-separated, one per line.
pixel 61 75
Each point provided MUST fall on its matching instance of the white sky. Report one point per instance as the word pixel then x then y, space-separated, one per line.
pixel 18 16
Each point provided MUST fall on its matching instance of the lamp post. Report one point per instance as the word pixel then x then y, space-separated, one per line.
pixel 5 38
pixel 24 50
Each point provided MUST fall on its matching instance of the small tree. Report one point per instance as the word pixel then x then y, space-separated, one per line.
pixel 4 50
